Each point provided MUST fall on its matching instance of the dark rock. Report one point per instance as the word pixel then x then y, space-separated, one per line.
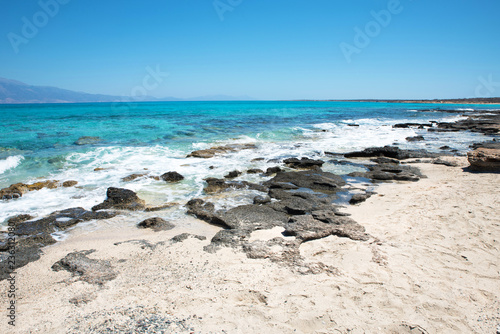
pixel 255 171
pixel 215 185
pixel 389 172
pixel 86 269
pixel 390 152
pixel 282 185
pixel 157 224
pixel 205 211
pixel 314 180
pixel 19 219
pixel 172 177
pixel 358 198
pixel 445 163
pixel 60 220
pixel 416 138
pixel 445 147
pixel 484 159
pixel 273 170
pixel 261 200
pixel 70 183
pixel 410 125
pixel 86 140
pixel 121 199
pixel 185 236
pixel 258 159
pixel 159 207
pixel 304 163
pixel 384 160
pixel 233 174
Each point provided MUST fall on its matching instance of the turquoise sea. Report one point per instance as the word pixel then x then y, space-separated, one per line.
pixel 37 142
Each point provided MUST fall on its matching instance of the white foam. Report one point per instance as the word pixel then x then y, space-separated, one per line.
pixel 10 162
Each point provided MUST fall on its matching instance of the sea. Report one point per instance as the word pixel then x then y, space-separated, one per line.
pixel 39 142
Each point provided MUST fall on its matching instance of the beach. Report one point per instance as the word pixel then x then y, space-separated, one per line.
pixel 318 231
pixel 431 265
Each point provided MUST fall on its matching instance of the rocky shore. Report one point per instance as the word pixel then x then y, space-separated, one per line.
pixel 299 204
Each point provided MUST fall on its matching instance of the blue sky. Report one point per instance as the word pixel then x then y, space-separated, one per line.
pixel 267 49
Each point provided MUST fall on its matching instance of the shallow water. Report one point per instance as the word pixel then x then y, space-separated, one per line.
pixel 37 142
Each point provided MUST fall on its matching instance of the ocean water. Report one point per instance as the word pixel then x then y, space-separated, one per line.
pixel 37 142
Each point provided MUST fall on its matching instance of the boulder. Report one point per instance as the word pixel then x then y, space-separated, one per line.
pixel 121 199
pixel 416 138
pixel 172 177
pixel 132 177
pixel 19 189
pixel 484 159
pixel 233 174
pixel 255 171
pixel 205 211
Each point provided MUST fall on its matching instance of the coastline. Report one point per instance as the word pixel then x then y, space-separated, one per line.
pixel 391 264
pixel 430 266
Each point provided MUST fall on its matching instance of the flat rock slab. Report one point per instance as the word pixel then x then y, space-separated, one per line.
pixel 86 269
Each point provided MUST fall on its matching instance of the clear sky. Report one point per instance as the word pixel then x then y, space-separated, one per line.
pixel 266 49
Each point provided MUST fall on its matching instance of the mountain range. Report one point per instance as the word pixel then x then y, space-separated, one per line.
pixel 12 91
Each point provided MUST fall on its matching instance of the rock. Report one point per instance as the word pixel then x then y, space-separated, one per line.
pixel 185 236
pixel 68 184
pixel 215 185
pixel 389 172
pixel 314 180
pixel 86 140
pixel 211 152
pixel 233 174
pixel 253 217
pixel 159 207
pixel 304 163
pixel 358 198
pixel 390 152
pixel 89 270
pixel 18 189
pixel 273 170
pixel 132 177
pixel 484 159
pixel 33 235
pixel 410 125
pixel 255 171
pixel 156 223
pixel 261 200
pixel 19 219
pixel 121 199
pixel 384 160
pixel 205 211
pixel 172 177
pixel 445 163
pixel 60 220
pixel 445 147
pixel 416 138
pixel 307 228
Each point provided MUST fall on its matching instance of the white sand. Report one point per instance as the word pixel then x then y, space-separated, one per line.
pixel 433 266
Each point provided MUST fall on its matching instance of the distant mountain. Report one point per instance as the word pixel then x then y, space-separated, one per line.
pixel 12 91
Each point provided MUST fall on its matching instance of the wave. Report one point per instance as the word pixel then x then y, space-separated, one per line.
pixel 10 162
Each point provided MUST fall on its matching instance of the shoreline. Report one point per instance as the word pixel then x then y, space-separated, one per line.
pixel 389 262
pixel 431 266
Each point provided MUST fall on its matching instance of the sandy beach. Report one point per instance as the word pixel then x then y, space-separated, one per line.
pixel 431 265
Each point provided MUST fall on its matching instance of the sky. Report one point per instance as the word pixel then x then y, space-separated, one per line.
pixel 265 49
